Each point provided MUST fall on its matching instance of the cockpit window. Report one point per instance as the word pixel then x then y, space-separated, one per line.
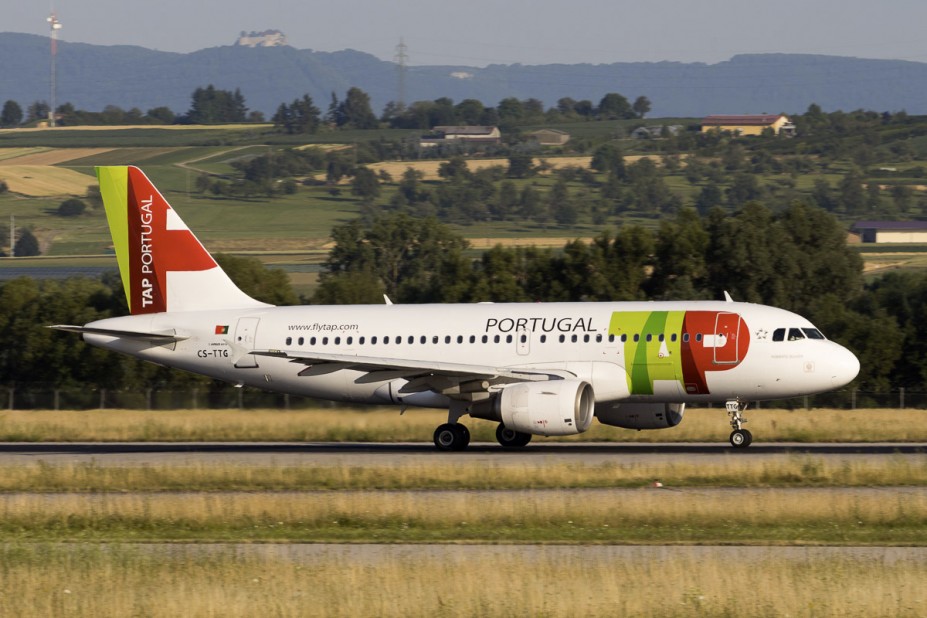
pixel 795 334
pixel 779 334
pixel 813 333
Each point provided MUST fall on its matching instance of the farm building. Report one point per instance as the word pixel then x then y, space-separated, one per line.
pixel 656 131
pixel 891 231
pixel 472 134
pixel 549 137
pixel 749 125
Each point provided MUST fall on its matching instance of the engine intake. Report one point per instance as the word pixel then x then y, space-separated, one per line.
pixel 553 408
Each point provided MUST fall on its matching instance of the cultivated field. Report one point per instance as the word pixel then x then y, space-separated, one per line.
pixel 44 180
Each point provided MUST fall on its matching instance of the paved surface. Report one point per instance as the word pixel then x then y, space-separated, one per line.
pixel 336 454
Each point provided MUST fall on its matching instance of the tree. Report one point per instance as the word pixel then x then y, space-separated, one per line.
pixel 37 110
pixel 12 114
pixel 72 207
pixel 614 106
pixel 365 184
pixel 26 245
pixel 269 285
pixel 521 165
pixel 608 159
pixel 212 106
pixel 355 111
pixel 162 114
pixel 641 106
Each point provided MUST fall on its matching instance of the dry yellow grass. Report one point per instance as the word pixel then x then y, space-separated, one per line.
pixel 385 424
pixel 430 168
pixel 45 180
pixel 12 153
pixel 418 473
pixel 51 156
pixel 161 581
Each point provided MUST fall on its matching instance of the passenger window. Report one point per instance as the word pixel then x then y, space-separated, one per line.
pixel 337 340
pixel 649 337
pixel 637 337
pixel 813 333
pixel 585 338
pixel 324 340
pixel 795 334
pixel 779 334
pixel 472 338
pixel 611 339
pixel 373 341
pixel 485 338
pixel 361 341
pixel 386 339
pixel 524 338
pixel 447 339
pixel 411 339
pixel 598 338
pixel 543 338
pixel 508 338
pixel 496 339
pixel 289 341
pixel 301 341
pixel 624 338
pixel 660 337
pixel 573 338
pixel 685 337
pixel 459 338
pixel 562 338
pixel 673 337
pixel 698 336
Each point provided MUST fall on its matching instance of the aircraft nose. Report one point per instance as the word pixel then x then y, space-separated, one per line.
pixel 844 367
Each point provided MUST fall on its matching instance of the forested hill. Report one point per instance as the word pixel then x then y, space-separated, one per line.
pixel 91 77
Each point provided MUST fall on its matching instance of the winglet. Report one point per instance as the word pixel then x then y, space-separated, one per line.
pixel 163 265
pixel 727 297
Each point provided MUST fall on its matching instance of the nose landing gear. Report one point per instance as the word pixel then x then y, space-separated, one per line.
pixel 740 437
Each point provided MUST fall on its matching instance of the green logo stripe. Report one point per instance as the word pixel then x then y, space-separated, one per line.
pixel 114 187
pixel 654 359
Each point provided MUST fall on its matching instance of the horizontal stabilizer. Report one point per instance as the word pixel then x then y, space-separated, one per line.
pixel 158 337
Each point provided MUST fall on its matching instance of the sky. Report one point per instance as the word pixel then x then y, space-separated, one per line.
pixel 482 32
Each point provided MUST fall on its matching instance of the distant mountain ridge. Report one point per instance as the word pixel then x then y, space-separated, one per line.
pixel 93 76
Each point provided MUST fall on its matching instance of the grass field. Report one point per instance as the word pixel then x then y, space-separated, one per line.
pixel 699 425
pixel 131 580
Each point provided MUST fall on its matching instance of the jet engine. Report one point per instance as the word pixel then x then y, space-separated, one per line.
pixel 640 415
pixel 552 408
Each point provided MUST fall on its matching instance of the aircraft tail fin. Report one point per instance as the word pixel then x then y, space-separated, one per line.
pixel 163 265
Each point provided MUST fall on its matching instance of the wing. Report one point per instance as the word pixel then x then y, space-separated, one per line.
pixel 445 378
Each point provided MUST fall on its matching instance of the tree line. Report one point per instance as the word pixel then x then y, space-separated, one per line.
pixel 796 259
pixel 211 105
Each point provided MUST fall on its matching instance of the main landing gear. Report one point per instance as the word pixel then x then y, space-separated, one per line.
pixel 740 437
pixel 452 437
pixel 510 438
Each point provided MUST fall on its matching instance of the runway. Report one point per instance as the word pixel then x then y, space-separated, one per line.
pixel 379 453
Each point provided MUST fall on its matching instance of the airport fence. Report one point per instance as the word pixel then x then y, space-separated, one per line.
pixel 43 397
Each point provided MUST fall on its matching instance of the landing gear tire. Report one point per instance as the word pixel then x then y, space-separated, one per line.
pixel 452 437
pixel 510 438
pixel 741 438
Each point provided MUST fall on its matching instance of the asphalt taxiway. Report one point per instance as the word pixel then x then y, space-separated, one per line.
pixel 381 453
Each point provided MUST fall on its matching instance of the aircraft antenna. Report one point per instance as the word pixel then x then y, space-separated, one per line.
pixel 55 26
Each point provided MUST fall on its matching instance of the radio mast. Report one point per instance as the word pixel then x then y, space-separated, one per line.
pixel 55 26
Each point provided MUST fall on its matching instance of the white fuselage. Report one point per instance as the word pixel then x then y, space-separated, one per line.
pixel 688 352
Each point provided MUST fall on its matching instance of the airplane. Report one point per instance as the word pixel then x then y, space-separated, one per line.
pixel 536 369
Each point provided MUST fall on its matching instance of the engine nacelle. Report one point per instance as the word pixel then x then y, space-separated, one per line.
pixel 640 415
pixel 552 408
